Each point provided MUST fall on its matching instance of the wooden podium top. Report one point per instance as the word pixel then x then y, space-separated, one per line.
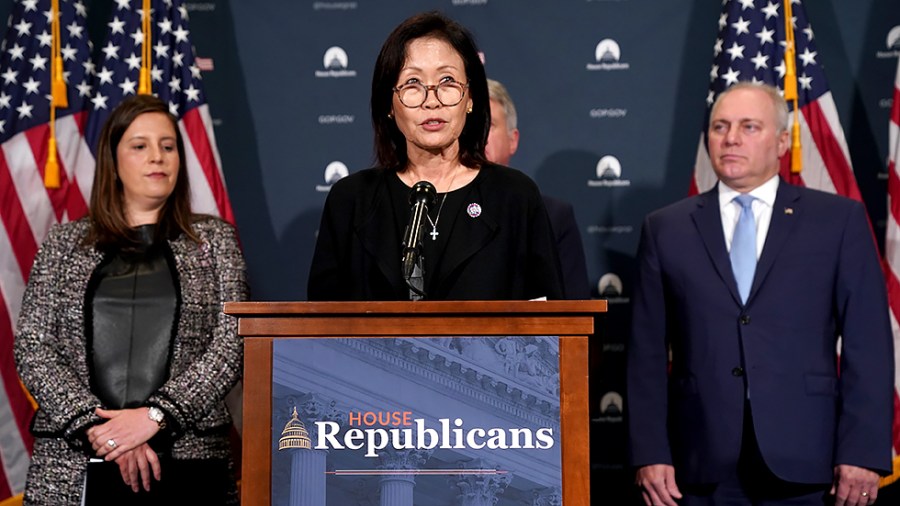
pixel 495 317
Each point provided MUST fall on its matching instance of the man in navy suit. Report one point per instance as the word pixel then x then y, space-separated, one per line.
pixel 736 394
pixel 503 140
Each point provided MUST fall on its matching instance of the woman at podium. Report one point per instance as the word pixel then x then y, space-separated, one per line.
pixel 434 219
pixel 121 336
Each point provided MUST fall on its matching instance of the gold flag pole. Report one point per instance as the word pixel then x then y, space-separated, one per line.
pixel 145 85
pixel 790 86
pixel 58 97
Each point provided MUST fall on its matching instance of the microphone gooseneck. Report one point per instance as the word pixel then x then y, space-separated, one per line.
pixel 421 195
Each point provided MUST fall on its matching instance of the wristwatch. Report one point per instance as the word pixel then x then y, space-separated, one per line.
pixel 157 416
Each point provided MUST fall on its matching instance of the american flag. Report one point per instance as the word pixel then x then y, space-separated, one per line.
pixel 175 78
pixel 892 255
pixel 27 208
pixel 751 47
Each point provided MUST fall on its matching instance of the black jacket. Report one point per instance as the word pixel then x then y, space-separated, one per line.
pixel 507 251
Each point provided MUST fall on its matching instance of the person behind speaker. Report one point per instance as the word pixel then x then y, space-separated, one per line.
pixel 503 141
pixel 487 234
pixel 736 393
pixel 121 337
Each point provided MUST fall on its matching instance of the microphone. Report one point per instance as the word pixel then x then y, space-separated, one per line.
pixel 421 195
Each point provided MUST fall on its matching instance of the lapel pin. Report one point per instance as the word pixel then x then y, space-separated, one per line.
pixel 788 210
pixel 474 210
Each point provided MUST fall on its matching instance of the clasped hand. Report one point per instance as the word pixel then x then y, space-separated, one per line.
pixel 123 438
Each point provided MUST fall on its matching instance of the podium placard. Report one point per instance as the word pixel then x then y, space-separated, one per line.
pixel 492 363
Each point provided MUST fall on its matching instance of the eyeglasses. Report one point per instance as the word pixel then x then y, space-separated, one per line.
pixel 448 93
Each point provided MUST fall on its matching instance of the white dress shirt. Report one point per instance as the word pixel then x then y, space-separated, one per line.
pixel 762 205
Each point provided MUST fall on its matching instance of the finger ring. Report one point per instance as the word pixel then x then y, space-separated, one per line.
pixel 864 493
pixel 112 444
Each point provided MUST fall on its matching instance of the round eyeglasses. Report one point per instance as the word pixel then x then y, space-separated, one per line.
pixel 448 93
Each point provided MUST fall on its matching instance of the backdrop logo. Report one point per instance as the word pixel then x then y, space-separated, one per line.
pixel 607 55
pixel 336 119
pixel 611 408
pixel 335 62
pixel 610 288
pixel 609 174
pixel 334 6
pixel 892 42
pixel 334 172
pixel 469 2
pixel 608 112
pixel 377 430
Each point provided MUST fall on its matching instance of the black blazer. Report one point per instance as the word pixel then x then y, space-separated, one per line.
pixel 507 251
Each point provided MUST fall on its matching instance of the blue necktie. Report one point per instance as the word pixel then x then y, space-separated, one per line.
pixel 743 247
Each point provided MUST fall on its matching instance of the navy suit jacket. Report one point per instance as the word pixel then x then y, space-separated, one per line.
pixel 570 247
pixel 818 278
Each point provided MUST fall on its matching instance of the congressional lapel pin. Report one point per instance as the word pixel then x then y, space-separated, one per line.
pixel 474 210
pixel 788 210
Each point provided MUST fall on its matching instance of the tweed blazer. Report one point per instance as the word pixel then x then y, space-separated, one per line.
pixel 51 353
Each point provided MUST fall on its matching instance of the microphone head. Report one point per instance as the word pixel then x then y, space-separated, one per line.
pixel 423 192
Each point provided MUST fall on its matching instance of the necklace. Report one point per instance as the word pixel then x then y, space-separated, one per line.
pixel 434 233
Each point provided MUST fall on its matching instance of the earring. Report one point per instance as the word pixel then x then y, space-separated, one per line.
pixel 390 116
pixel 469 110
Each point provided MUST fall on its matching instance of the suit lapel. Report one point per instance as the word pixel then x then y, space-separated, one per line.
pixel 785 214
pixel 708 220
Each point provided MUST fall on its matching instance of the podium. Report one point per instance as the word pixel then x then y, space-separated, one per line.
pixel 263 324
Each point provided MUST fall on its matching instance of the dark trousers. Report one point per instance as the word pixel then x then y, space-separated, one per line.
pixel 753 483
pixel 184 482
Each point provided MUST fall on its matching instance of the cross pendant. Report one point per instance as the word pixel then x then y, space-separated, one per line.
pixel 434 233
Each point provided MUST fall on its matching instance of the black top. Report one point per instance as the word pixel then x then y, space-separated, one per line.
pixel 132 307
pixel 494 241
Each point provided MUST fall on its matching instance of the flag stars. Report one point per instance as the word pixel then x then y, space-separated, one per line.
pixel 760 61
pixel 156 74
pixel 183 11
pixel 69 53
pixel 731 77
pixel 30 5
pixel 89 67
pixel 805 81
pixel 116 26
pixel 741 26
pixel 192 94
pixel 48 14
pixel 105 76
pixel 138 37
pixel 161 49
pixel 723 20
pixel 181 35
pixel 195 71
pixel 75 29
pixel 4 100
pixel 746 4
pixel 165 26
pixel 808 57
pixel 771 10
pixel 111 51
pixel 123 5
pixel 133 61
pixel 714 72
pixel 99 101
pixel 24 110
pixel 45 39
pixel 735 51
pixel 9 76
pixel 2 126
pixel 717 48
pixel 178 59
pixel 23 27
pixel 128 86
pixel 809 33
pixel 175 84
pixel 38 62
pixel 173 108
pixel 780 68
pixel 84 89
pixel 17 52
pixel 31 86
pixel 710 98
pixel 765 36
pixel 80 9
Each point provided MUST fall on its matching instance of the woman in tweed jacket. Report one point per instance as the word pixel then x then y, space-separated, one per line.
pixel 140 162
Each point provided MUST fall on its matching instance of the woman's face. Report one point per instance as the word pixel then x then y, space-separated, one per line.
pixel 431 127
pixel 147 161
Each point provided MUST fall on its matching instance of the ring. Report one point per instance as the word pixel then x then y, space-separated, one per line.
pixel 112 444
pixel 864 493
